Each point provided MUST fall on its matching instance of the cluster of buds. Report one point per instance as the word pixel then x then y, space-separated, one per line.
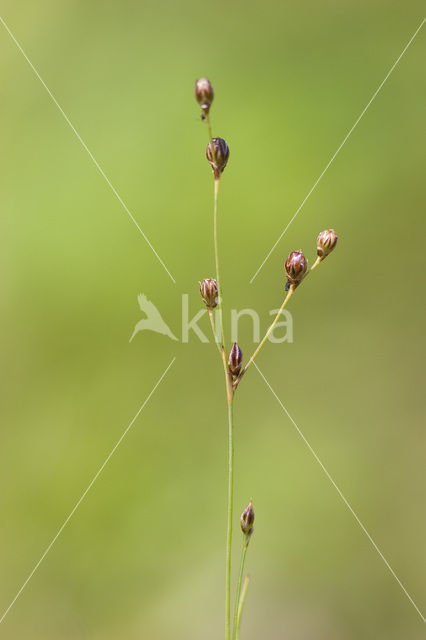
pixel 218 156
pixel 297 265
pixel 326 242
pixel 235 361
pixel 204 95
pixel 209 292
pixel 295 268
pixel 247 519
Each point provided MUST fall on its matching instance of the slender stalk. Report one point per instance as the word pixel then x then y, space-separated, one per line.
pixel 240 580
pixel 316 263
pixel 267 334
pixel 209 129
pixel 222 353
pixel 216 255
pixel 241 605
pixel 230 513
pixel 210 310
pixel 229 395
pixel 228 381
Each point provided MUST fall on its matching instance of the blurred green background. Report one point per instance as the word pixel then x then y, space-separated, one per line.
pixel 143 556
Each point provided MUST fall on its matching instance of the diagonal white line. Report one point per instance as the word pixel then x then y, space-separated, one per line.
pixel 86 148
pixel 341 145
pixel 342 496
pixel 84 494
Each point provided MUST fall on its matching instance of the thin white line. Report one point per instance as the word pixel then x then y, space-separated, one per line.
pixel 344 140
pixel 84 145
pixel 343 497
pixel 95 477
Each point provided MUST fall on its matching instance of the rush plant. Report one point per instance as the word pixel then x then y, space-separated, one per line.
pixel 296 270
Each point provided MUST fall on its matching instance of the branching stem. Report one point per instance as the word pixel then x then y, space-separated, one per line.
pixel 230 397
pixel 212 324
pixel 209 129
pixel 241 605
pixel 230 514
pixel 266 336
pixel 271 328
pixel 240 580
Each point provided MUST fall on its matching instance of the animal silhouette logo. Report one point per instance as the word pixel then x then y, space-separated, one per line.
pixel 153 320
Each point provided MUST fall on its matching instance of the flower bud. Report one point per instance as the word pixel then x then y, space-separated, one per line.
pixel 235 360
pixel 204 94
pixel 247 519
pixel 295 267
pixel 326 242
pixel 221 155
pixel 209 292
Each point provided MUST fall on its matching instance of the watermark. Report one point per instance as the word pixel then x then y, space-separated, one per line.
pixel 191 323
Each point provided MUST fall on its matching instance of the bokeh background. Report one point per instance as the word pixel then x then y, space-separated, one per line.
pixel 143 556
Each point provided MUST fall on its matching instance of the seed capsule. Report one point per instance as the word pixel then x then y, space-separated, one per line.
pixel 247 519
pixel 326 242
pixel 295 267
pixel 221 155
pixel 209 292
pixel 235 360
pixel 204 94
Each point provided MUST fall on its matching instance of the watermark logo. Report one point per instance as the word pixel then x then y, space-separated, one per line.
pixel 153 321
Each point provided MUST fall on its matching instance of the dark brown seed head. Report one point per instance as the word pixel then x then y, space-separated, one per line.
pixel 247 519
pixel 221 155
pixel 295 267
pixel 326 242
pixel 235 360
pixel 209 292
pixel 204 94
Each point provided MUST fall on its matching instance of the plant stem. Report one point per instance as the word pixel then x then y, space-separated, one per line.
pixel 316 263
pixel 230 396
pixel 210 310
pixel 209 129
pixel 241 605
pixel 230 512
pixel 267 334
pixel 240 580
pixel 216 255
pixel 228 381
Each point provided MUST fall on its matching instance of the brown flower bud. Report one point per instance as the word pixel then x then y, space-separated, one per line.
pixel 295 267
pixel 326 242
pixel 235 360
pixel 209 292
pixel 247 520
pixel 204 94
pixel 221 155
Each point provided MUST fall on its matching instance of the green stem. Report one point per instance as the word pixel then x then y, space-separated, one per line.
pixel 210 310
pixel 316 263
pixel 241 605
pixel 209 129
pixel 230 512
pixel 228 380
pixel 216 255
pixel 267 334
pixel 229 394
pixel 240 580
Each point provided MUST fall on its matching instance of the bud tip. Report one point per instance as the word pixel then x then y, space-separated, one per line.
pixel 219 159
pixel 204 94
pixel 209 292
pixel 326 242
pixel 295 268
pixel 247 519
pixel 235 361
